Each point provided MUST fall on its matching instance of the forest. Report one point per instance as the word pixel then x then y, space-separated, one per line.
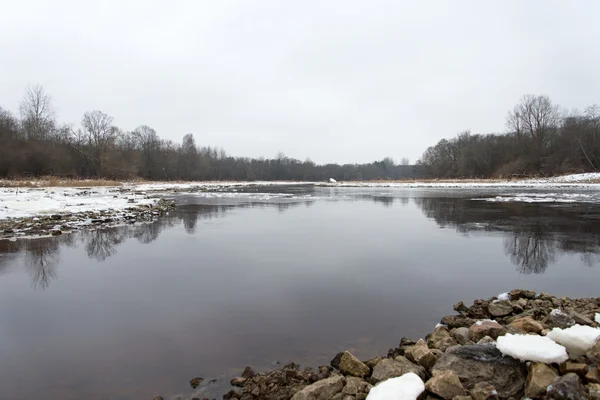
pixel 540 139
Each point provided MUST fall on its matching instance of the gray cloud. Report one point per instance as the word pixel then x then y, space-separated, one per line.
pixel 337 81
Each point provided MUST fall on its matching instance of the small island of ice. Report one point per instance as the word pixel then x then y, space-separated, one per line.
pixel 578 339
pixel 406 387
pixel 532 348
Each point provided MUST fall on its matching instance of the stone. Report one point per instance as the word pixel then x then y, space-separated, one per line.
pixel 521 303
pixel 500 308
pixel 486 339
pixel 594 391
pixel 446 385
pixel 539 377
pixel 576 368
pixel 460 307
pixel 593 376
pixel 521 294
pixel 462 398
pixel 527 324
pixel 593 354
pixel 372 362
pixel 348 364
pixel 338 396
pixel 480 329
pixel 324 389
pixel 484 391
pixel 195 382
pixel 399 366
pixel 420 354
pixel 457 321
pixel 567 387
pixel 361 396
pixel 484 362
pixel 352 386
pixel 580 319
pixel 348 397
pixel 461 335
pixel 559 319
pixel 440 339
pixel 238 381
pixel 248 373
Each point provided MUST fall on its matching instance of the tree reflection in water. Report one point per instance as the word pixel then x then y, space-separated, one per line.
pixel 535 234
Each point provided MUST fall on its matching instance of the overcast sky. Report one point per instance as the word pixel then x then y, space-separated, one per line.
pixel 336 81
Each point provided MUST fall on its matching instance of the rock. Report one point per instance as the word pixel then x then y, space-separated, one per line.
pixel 521 303
pixel 352 386
pixel 348 364
pixel 567 387
pixel 521 294
pixel 500 308
pixel 338 396
pixel 580 319
pixel 489 328
pixel 324 389
pixel 372 362
pixel 445 384
pixel 195 382
pixel 460 307
pixel 361 396
pixel 593 354
pixel 594 391
pixel 348 397
pixel 462 398
pixel 457 321
pixel 527 324
pixel 238 381
pixel 483 362
pixel 558 319
pixel 576 368
pixel 539 377
pixel 56 232
pixel 484 391
pixel 420 354
pixel 486 339
pixel 248 373
pixel 397 367
pixel 440 339
pixel 461 335
pixel 593 376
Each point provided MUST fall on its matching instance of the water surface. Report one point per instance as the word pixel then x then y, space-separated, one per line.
pixel 268 275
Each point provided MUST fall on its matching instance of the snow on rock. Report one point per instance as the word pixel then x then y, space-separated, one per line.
pixel 578 339
pixel 532 348
pixel 597 318
pixel 501 297
pixel 481 321
pixel 406 387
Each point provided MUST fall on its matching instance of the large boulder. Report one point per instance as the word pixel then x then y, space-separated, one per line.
pixel 440 339
pixel 484 362
pixel 481 329
pixel 348 364
pixel 567 387
pixel 500 308
pixel 539 378
pixel 446 385
pixel 324 389
pixel 559 319
pixel 399 366
pixel 461 335
pixel 521 294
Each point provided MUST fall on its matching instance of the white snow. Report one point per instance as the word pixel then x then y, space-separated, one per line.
pixel 480 322
pixel 597 317
pixel 532 348
pixel 540 198
pixel 406 387
pixel 578 339
pixel 501 297
pixel 331 180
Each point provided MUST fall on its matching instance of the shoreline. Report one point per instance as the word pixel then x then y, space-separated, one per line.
pixel 518 344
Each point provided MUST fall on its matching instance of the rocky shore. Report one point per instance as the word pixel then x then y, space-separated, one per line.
pixel 59 223
pixel 517 345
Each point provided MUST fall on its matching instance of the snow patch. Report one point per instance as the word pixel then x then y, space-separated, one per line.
pixel 441 326
pixel 481 321
pixel 502 297
pixel 331 180
pixel 406 387
pixel 532 348
pixel 578 339
pixel 597 317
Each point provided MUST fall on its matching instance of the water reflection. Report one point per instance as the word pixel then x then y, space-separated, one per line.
pixel 535 234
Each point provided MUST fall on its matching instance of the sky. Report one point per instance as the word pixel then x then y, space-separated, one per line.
pixel 331 80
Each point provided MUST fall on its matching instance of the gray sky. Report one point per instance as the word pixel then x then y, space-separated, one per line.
pixel 336 81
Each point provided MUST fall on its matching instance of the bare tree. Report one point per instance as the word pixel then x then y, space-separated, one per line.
pixel 404 161
pixel 100 136
pixel 37 113
pixel 535 116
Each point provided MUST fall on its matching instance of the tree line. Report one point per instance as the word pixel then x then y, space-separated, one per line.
pixel 540 140
pixel 35 144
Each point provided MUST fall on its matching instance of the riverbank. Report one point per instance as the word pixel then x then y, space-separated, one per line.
pixel 518 344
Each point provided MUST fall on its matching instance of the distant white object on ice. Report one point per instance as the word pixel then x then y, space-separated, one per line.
pixel 406 387
pixel 532 348
pixel 578 339
pixel 331 180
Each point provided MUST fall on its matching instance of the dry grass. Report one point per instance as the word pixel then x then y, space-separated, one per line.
pixel 57 182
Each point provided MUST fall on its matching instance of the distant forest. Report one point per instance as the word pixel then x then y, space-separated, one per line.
pixel 540 140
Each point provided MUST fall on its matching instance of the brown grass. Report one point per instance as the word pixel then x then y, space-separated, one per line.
pixel 57 182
